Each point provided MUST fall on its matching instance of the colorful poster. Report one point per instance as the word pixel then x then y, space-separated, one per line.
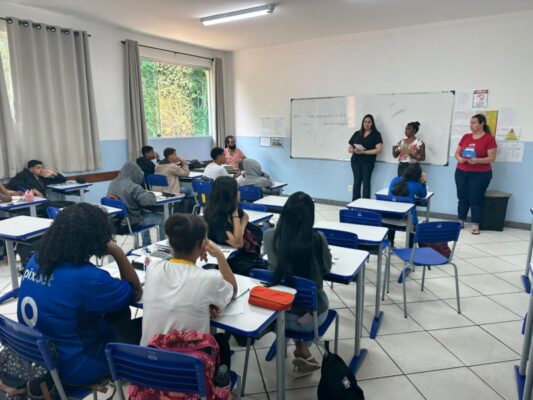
pixel 480 98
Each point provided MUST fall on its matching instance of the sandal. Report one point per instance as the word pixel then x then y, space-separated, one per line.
pixel 306 365
pixel 475 230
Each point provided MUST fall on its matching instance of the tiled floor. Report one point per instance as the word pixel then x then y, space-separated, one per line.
pixel 433 354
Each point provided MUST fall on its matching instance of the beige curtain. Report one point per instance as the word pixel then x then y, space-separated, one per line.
pixel 220 118
pixel 8 160
pixel 55 115
pixel 135 119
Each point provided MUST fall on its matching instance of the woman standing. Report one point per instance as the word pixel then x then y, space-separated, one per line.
pixel 409 150
pixel 365 145
pixel 474 154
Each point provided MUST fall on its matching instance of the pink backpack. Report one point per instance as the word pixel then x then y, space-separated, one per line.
pixel 198 344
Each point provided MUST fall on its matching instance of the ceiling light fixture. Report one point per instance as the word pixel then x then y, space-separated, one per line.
pixel 237 15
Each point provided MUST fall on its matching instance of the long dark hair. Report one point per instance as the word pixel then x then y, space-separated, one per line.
pixel 185 232
pixel 362 130
pixel 411 174
pixel 483 120
pixel 295 242
pixel 79 232
pixel 222 200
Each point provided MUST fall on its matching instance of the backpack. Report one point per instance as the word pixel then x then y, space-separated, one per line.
pixel 195 343
pixel 337 381
pixel 440 247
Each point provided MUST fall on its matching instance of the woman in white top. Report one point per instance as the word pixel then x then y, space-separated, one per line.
pixel 409 150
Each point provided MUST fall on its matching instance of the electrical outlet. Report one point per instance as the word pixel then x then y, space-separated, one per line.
pixel 350 188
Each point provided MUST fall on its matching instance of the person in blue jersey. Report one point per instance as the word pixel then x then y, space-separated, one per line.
pixel 78 306
pixel 411 184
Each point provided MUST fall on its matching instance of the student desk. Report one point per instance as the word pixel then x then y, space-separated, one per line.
pixel 256 217
pixel 387 208
pixel 371 236
pixel 419 201
pixel 525 277
pixel 20 229
pixel 72 188
pixel 275 203
pixel 32 205
pixel 192 175
pixel 277 185
pixel 167 201
pixel 109 210
pixel 349 264
pixel 524 371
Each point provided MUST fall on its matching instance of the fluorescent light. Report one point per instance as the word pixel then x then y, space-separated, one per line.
pixel 237 15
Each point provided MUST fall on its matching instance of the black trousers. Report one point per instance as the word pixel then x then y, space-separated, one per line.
pixel 471 188
pixel 362 174
pixel 402 167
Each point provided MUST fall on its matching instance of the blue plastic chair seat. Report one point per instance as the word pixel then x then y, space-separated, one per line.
pixel 309 336
pixel 423 256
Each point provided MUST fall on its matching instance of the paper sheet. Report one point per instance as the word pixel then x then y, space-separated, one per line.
pixel 510 152
pixel 236 307
pixel 266 126
pixel 278 126
pixel 480 98
pixel 264 142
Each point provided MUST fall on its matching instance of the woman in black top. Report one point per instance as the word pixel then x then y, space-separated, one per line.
pixel 364 158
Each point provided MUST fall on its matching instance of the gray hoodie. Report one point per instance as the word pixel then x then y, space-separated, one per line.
pixel 253 176
pixel 127 187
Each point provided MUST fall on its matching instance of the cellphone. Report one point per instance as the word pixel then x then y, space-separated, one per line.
pixel 167 194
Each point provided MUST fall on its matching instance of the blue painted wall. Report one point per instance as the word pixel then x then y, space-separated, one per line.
pixel 330 179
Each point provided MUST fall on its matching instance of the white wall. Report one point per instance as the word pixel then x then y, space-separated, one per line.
pixel 491 52
pixel 106 59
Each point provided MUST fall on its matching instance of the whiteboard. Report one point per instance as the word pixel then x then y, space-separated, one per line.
pixel 322 127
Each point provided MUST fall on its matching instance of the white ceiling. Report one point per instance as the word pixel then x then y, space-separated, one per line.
pixel 293 20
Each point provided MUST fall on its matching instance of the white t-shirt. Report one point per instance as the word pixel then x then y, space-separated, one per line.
pixel 213 171
pixel 178 296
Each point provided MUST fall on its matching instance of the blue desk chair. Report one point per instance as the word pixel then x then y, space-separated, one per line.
pixel 156 180
pixel 34 347
pixel 306 298
pixel 158 369
pixel 250 193
pixel 200 189
pixel 340 238
pixel 123 214
pixel 52 212
pixel 253 207
pixel 430 232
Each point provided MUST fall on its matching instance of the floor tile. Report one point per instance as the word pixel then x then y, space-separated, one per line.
pixel 513 277
pixel 393 320
pixel 498 249
pixel 499 376
pixel 396 387
pixel 516 302
pixel 346 326
pixel 517 259
pixel 444 288
pixel 414 292
pixel 489 284
pixel 483 310
pixel 472 345
pixel 456 384
pixel 467 251
pixel 509 333
pixel 493 264
pixel 254 382
pixel 465 267
pixel 436 315
pixel 417 352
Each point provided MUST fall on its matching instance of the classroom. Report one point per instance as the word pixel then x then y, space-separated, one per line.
pixel 216 199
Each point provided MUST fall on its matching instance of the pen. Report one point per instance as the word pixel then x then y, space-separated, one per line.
pixel 242 294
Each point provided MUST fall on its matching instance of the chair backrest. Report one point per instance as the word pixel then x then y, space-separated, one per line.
pixel 156 180
pixel 399 199
pixel 108 201
pixel 201 189
pixel 340 238
pixel 52 212
pixel 253 207
pixel 361 217
pixel 437 232
pixel 306 292
pixel 250 193
pixel 158 369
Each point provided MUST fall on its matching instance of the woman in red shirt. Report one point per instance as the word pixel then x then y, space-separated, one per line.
pixel 474 154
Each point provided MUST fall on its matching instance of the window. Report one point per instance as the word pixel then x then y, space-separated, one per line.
pixel 176 99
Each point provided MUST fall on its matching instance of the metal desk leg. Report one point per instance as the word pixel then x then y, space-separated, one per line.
pixel 33 210
pixel 528 386
pixel 428 205
pixel 408 228
pixel 166 210
pixel 378 315
pixel 525 277
pixel 12 264
pixel 359 354
pixel 82 195
pixel 280 356
pixel 520 370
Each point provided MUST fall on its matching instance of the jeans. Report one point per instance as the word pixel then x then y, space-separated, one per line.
pixel 362 173
pixel 291 323
pixel 471 188
pixel 153 218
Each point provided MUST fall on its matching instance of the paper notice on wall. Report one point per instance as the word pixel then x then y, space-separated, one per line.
pixel 278 126
pixel 264 142
pixel 509 134
pixel 266 126
pixel 510 152
pixel 480 98
pixel 463 101
pixel 453 145
pixel 462 117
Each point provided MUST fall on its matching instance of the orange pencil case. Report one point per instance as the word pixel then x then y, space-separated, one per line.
pixel 270 298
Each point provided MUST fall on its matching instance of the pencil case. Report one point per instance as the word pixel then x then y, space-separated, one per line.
pixel 270 298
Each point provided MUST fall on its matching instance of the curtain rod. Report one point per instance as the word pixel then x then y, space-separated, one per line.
pixel 173 51
pixel 38 23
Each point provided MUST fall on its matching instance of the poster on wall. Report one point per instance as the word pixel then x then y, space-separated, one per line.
pixel 480 98
pixel 276 142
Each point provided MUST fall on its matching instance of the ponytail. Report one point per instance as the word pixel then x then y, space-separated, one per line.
pixel 483 120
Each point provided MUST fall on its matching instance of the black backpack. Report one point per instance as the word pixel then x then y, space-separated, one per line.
pixel 337 381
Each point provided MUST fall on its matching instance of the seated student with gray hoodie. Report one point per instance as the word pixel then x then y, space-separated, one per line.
pixel 127 187
pixel 254 176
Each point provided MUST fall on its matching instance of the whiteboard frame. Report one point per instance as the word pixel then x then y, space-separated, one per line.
pixel 374 94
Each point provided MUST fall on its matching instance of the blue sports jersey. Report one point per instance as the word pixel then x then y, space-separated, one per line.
pixel 68 307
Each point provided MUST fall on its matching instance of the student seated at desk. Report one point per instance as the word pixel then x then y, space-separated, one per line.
pixel 172 166
pixel 411 184
pixel 228 225
pixel 7 195
pixel 178 294
pixel 145 161
pixel 254 176
pixel 234 156
pixel 127 187
pixel 295 249
pixel 216 169
pixel 35 177
pixel 78 306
